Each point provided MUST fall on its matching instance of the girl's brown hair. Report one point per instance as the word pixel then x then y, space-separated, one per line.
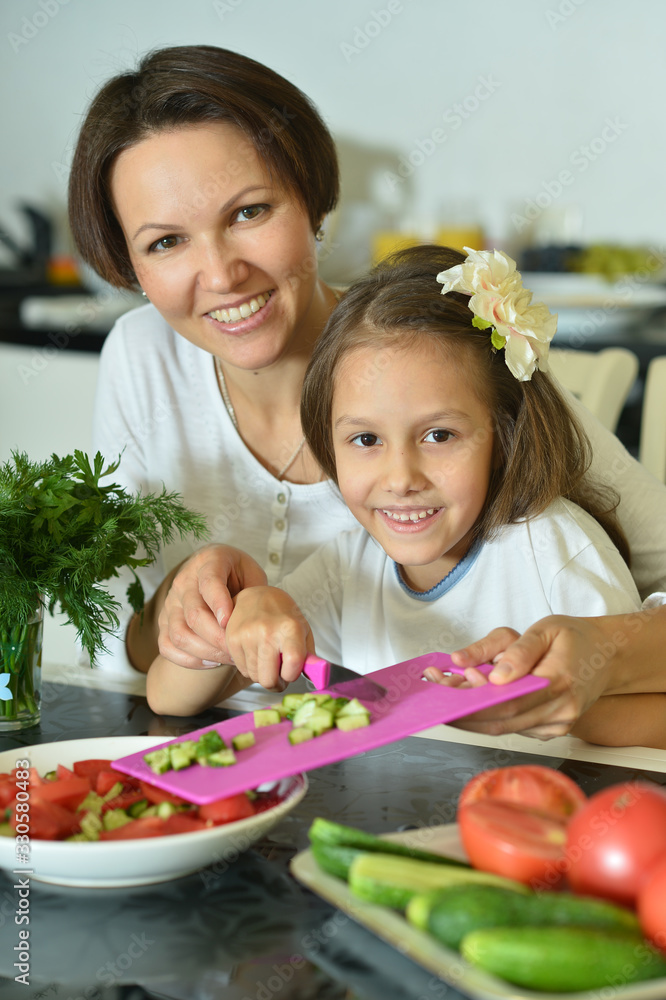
pixel 177 88
pixel 541 451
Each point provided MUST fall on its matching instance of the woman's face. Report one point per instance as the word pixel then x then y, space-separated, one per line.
pixel 219 247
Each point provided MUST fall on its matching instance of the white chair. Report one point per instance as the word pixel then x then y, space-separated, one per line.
pixel 652 444
pixel 601 380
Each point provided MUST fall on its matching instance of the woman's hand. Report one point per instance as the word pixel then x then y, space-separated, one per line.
pixel 568 651
pixel 268 637
pixel 197 606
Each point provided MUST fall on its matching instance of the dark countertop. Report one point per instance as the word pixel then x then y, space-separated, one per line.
pixel 242 930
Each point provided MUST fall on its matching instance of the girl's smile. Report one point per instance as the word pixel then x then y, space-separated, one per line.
pixel 414 451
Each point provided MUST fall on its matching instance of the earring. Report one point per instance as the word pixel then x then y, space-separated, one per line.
pixel 144 294
pixel 319 235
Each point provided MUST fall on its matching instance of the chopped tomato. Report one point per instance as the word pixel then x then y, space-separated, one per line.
pixel 227 810
pixel 105 781
pixel 47 820
pixel 183 823
pixel 518 843
pixel 7 790
pixel 90 768
pixel 69 792
pixel 532 786
pixel 63 772
pixel 149 826
pixel 157 795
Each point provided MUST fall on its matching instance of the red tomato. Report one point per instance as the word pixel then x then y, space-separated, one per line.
pixel 63 772
pixel 518 843
pixel 47 820
pixel 530 785
pixel 105 781
pixel 149 826
pixel 90 768
pixel 651 904
pixel 615 839
pixel 68 793
pixel 227 810
pixel 7 790
pixel 183 823
pixel 157 795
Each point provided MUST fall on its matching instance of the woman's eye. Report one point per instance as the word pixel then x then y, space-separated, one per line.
pixel 250 212
pixel 365 440
pixel 166 243
pixel 438 436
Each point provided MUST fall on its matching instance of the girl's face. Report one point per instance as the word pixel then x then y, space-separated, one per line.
pixel 414 451
pixel 222 251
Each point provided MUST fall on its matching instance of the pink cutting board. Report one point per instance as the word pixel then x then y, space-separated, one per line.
pixel 409 705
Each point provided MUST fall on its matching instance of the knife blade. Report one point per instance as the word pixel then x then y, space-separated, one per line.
pixel 325 674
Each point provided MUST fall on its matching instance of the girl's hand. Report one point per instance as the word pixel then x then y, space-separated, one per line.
pixel 558 647
pixel 196 609
pixel 268 637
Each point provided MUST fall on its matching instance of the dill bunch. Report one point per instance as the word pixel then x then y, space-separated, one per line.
pixel 63 533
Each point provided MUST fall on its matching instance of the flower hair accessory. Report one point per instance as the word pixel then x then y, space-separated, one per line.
pixel 499 302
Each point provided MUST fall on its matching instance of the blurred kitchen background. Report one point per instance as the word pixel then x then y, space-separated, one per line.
pixel 535 126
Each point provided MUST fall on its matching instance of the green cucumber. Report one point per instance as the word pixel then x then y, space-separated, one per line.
pixel 563 959
pixel 393 881
pixel 266 717
pixel 300 734
pixel 334 859
pixel 450 914
pixel 348 722
pixel 325 831
pixel 243 741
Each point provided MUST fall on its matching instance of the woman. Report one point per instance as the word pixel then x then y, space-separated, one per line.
pixel 204 178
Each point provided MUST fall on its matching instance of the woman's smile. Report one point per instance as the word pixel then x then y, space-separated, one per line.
pixel 226 255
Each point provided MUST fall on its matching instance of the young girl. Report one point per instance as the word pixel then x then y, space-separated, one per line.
pixel 457 454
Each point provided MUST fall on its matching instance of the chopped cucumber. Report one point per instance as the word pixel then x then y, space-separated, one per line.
pixel 182 754
pixel 209 742
pixel 91 825
pixel 92 803
pixel 6 830
pixel 166 809
pixel 320 721
pixel 159 761
pixel 222 758
pixel 138 808
pixel 303 712
pixel 353 707
pixel 266 717
pixel 300 734
pixel 114 818
pixel 243 741
pixel 348 722
pixel 113 791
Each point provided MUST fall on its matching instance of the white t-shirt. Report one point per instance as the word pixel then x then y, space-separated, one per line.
pixel 158 399
pixel 364 616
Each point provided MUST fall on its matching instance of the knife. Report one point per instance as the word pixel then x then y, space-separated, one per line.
pixel 324 674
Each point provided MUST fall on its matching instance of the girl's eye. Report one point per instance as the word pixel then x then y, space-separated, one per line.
pixel 438 436
pixel 166 243
pixel 365 440
pixel 250 212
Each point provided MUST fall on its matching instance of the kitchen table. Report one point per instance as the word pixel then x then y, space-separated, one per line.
pixel 249 930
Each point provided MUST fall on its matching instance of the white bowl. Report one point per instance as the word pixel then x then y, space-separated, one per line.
pixel 119 863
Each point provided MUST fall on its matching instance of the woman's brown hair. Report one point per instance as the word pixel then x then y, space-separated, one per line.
pixel 177 88
pixel 541 451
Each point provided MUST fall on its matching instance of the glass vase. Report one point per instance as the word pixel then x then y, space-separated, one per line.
pixel 21 673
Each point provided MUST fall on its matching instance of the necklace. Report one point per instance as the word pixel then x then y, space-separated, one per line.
pixel 234 419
